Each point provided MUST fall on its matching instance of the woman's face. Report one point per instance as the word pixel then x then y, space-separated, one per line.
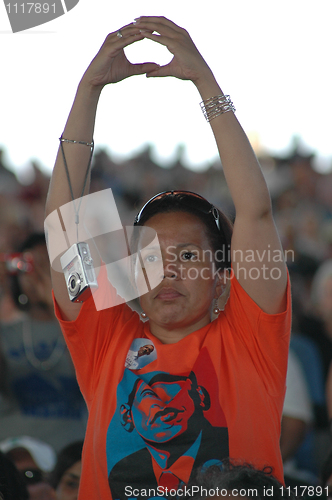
pixel 69 483
pixel 187 277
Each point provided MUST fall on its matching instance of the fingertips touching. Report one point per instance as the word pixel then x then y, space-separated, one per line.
pixel 154 72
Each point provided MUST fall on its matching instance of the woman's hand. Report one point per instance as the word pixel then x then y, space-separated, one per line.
pixel 187 63
pixel 110 64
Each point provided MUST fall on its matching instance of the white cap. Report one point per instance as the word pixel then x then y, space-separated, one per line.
pixel 42 453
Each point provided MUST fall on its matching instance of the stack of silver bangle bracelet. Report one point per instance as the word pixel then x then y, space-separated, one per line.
pixel 212 107
pixel 217 105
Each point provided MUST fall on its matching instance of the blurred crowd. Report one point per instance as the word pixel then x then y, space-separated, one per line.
pixel 31 470
pixel 39 395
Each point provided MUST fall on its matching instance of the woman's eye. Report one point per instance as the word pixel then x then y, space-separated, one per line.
pixel 151 258
pixel 187 256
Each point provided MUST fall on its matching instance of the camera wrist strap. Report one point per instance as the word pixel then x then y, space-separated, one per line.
pixel 91 145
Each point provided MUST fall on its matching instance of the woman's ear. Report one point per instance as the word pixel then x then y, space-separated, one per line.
pixel 220 283
pixel 222 290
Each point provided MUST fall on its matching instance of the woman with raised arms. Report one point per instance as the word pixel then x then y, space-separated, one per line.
pixel 191 384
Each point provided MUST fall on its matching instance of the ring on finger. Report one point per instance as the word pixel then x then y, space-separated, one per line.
pixel 119 34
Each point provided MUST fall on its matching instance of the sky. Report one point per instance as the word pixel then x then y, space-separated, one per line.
pixel 273 58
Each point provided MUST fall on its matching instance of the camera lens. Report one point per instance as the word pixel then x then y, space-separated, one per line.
pixel 74 284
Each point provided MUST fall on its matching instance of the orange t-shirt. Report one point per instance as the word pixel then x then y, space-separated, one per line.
pixel 158 411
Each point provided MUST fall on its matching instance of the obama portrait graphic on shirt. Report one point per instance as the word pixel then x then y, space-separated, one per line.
pixel 171 425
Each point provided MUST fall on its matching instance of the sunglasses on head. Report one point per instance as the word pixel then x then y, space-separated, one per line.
pixel 186 198
pixel 32 476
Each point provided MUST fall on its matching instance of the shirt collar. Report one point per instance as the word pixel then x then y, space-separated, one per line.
pixel 182 467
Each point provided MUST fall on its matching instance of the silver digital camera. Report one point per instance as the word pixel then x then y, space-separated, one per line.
pixel 79 272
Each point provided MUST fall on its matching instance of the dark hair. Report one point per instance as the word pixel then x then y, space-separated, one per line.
pixel 67 457
pixel 233 475
pixel 220 240
pixel 12 485
pixel 29 243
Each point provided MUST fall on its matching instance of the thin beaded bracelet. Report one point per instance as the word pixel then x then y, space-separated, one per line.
pixel 216 106
pixel 90 144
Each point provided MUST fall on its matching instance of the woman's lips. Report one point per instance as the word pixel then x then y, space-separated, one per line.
pixel 168 294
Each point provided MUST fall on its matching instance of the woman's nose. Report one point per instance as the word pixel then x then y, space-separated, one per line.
pixel 170 271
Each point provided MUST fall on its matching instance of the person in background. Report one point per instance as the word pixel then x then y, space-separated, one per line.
pixel 12 484
pixel 34 460
pixel 40 394
pixel 318 323
pixel 322 297
pixel 296 424
pixel 325 475
pixel 65 478
pixel 234 479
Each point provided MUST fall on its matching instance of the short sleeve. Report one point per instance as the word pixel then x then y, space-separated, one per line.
pixel 265 336
pixel 90 336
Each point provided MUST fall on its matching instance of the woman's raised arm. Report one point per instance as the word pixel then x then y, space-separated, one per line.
pixel 109 66
pixel 257 254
